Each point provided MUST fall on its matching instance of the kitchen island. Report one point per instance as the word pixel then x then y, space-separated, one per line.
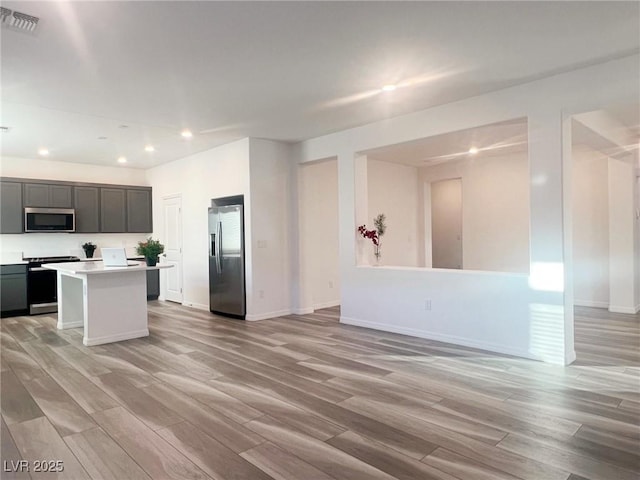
pixel 109 302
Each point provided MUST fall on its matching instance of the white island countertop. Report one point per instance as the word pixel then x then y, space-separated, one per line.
pixel 99 268
pixel 110 303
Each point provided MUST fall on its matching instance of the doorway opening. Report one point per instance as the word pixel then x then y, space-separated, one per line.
pixel 605 246
pixel 319 245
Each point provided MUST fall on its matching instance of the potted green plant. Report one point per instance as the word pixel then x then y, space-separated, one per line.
pixel 89 248
pixel 150 249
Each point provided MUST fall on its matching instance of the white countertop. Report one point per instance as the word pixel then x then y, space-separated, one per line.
pixel 13 262
pixel 12 258
pixel 99 259
pixel 98 267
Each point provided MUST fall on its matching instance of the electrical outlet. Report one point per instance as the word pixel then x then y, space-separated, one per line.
pixel 330 283
pixel 427 305
pixel 261 293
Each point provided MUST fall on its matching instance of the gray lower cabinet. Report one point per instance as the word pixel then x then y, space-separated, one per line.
pixel 87 205
pixel 13 290
pixel 113 210
pixel 11 213
pixel 139 211
pixel 47 195
pixel 153 284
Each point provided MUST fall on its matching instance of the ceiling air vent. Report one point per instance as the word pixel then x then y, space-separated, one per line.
pixel 18 20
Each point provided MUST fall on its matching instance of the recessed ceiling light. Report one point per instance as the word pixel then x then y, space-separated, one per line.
pixel 473 150
pixel 389 88
pixel 186 133
pixel 102 138
pixel 122 160
pixel 43 152
pixel 123 126
pixel 149 148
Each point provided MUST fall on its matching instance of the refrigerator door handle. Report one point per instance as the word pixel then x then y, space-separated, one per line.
pixel 219 247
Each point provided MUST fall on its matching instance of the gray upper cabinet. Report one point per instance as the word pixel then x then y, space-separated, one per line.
pixel 11 215
pixel 48 196
pixel 113 204
pixel 139 211
pixel 60 196
pixel 125 210
pixel 87 204
pixel 36 195
pixel 99 208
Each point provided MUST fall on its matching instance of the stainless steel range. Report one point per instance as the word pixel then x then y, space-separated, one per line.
pixel 42 284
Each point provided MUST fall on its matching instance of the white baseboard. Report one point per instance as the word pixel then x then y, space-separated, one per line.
pixel 590 303
pixel 440 337
pixel 115 338
pixel 302 311
pixel 264 316
pixel 630 310
pixel 197 306
pixel 317 306
pixel 331 303
pixel 70 325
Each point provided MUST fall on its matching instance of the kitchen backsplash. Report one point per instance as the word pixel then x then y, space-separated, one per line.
pixel 55 244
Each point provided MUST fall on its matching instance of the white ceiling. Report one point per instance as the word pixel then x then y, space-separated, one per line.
pixel 280 70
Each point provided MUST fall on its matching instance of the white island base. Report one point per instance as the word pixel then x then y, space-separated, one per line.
pixel 111 303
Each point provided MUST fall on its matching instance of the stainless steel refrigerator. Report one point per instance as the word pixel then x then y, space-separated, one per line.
pixel 226 257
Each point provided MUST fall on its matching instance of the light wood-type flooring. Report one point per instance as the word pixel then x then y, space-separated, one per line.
pixel 305 398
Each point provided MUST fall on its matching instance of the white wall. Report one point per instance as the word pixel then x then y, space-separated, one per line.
pixel 219 172
pixel 318 196
pixel 495 210
pixel 393 190
pixel 70 172
pixel 527 315
pixel 622 236
pixel 59 244
pixel 41 244
pixel 590 228
pixel 261 171
pixel 269 285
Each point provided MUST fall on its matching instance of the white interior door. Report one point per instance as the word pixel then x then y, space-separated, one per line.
pixel 172 236
pixel 446 223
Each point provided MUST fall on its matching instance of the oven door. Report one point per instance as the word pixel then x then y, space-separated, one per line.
pixel 42 290
pixel 49 220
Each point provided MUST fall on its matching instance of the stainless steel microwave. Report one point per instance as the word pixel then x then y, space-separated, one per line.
pixel 49 220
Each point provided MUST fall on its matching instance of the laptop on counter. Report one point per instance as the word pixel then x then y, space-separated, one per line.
pixel 116 257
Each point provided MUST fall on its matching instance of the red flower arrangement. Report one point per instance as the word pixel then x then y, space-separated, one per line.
pixel 371 234
pixel 374 235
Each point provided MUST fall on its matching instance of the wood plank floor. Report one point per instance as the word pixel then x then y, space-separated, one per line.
pixel 303 397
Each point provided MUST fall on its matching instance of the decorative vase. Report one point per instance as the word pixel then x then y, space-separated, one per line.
pixel 378 254
pixel 88 252
pixel 151 261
